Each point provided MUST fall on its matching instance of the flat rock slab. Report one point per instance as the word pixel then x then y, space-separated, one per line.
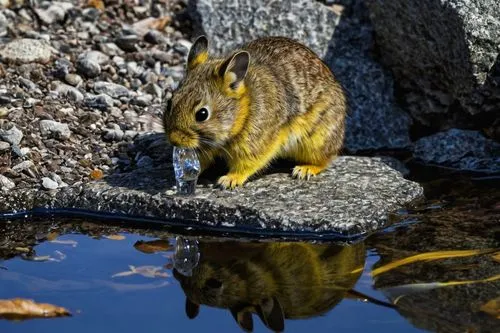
pixel 353 197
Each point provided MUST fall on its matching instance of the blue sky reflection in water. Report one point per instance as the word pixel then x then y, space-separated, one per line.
pixel 82 283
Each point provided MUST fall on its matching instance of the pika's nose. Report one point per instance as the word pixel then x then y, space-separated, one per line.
pixel 182 139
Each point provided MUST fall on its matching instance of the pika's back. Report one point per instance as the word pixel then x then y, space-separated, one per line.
pixel 300 75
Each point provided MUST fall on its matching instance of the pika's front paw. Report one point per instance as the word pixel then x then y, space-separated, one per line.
pixel 306 171
pixel 231 181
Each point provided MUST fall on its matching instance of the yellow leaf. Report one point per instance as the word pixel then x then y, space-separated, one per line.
pixel 19 308
pixel 115 237
pixel 492 308
pixel 158 245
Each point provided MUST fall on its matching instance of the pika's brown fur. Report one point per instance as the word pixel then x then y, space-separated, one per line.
pixel 273 98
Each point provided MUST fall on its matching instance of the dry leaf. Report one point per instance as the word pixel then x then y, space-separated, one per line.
pixel 98 4
pixel 52 235
pixel 115 237
pixel 492 308
pixel 158 245
pixel 96 174
pixel 19 308
pixel 496 256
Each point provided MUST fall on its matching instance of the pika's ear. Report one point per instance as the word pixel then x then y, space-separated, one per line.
pixel 192 309
pixel 234 69
pixel 243 318
pixel 198 53
pixel 271 314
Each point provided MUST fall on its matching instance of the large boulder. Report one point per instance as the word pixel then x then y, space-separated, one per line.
pixel 445 57
pixel 341 35
pixel 352 198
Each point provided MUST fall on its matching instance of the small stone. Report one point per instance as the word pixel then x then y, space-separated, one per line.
pixel 88 68
pixel 96 56
pixel 4 146
pixel 143 100
pixel 127 43
pixel 49 184
pixel 27 84
pixel 23 166
pixel 100 102
pixel 11 134
pixel 55 13
pixel 26 51
pixel 73 79
pixel 111 49
pixel 51 128
pixel 155 37
pixel 111 89
pixel 6 184
pixel 129 134
pixel 114 134
pixel 133 69
pixel 69 92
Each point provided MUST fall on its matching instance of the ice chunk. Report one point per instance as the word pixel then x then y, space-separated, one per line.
pixel 187 170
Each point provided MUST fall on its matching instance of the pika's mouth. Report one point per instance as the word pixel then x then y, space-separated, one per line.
pixel 183 139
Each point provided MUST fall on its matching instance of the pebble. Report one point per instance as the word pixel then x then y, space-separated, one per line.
pixel 55 13
pixel 114 134
pixel 49 184
pixel 111 49
pixel 155 37
pixel 69 92
pixel 26 50
pixel 6 184
pixel 73 79
pixel 88 68
pixel 4 146
pixel 11 134
pixel 54 129
pixel 100 102
pixel 111 89
pixel 127 43
pixel 96 56
pixel 143 100
pixel 23 166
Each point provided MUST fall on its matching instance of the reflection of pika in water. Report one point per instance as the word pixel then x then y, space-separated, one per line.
pixel 273 280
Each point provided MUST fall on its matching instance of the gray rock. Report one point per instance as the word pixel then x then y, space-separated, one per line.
pixel 11 134
pixel 127 43
pixel 101 102
pixel 111 49
pixel 155 37
pixel 461 149
pixel 55 12
pixel 111 89
pixel 73 79
pixel 375 121
pixel 228 24
pixel 4 146
pixel 55 129
pixel 143 100
pixel 6 184
pixel 113 134
pixel 4 23
pixel 25 51
pixel 444 55
pixel 95 56
pixel 49 184
pixel 88 68
pixel 23 166
pixel 69 92
pixel 351 198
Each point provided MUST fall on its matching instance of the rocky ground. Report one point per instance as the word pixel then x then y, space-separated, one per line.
pixel 79 81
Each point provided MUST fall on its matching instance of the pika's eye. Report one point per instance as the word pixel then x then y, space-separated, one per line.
pixel 202 114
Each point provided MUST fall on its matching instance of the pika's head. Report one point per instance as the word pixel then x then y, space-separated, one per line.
pixel 207 107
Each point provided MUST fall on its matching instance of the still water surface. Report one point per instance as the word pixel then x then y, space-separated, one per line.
pixel 441 274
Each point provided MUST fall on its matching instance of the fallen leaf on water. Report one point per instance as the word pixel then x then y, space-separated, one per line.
pixel 146 271
pixel 22 249
pixel 158 245
pixel 51 236
pixel 496 256
pixel 19 308
pixel 115 237
pixel 492 308
pixel 65 242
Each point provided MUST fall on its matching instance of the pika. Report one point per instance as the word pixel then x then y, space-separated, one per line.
pixel 272 98
pixel 275 281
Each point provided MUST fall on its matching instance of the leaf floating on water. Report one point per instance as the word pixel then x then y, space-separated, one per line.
pixel 51 236
pixel 429 256
pixel 146 271
pixel 23 249
pixel 492 308
pixel 115 237
pixel 496 256
pixel 65 242
pixel 19 308
pixel 154 246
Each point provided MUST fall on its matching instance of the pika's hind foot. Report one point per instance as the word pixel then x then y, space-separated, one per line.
pixel 306 171
pixel 231 181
